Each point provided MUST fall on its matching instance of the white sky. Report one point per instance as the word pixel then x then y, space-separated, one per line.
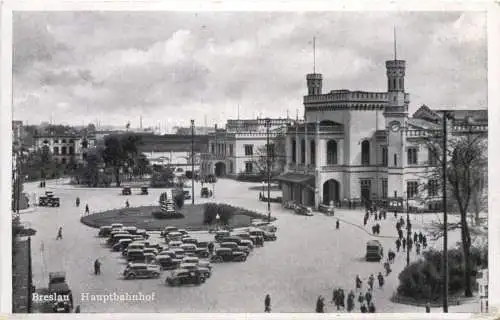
pixel 175 66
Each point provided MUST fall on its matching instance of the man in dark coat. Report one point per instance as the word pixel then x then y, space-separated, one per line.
pixel 415 237
pixel 267 303
pixel 363 308
pixel 380 278
pixel 87 211
pixel 59 234
pixel 400 234
pixel 398 244
pixel 371 308
pixel 368 296
pixel 337 224
pixel 404 244
pixel 97 267
pixel 320 305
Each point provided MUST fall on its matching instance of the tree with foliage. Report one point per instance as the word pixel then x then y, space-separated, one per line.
pixel 120 150
pixel 466 169
pixel 277 154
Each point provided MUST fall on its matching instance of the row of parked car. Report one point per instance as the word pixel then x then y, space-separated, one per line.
pixel 147 259
pixel 298 208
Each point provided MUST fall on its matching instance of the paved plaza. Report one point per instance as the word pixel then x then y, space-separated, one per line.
pixel 309 259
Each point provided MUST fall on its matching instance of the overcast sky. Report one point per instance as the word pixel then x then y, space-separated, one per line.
pixel 174 66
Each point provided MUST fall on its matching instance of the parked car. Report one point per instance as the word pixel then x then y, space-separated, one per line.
pixel 188 248
pixel 303 210
pixel 166 262
pixel 247 243
pixel 135 255
pixel 210 178
pixel 131 230
pixel 227 255
pixel 187 194
pixel 269 236
pixel 202 252
pixel 184 232
pixel 175 235
pixel 374 251
pixel 194 260
pixel 144 191
pixel 205 264
pixel 104 231
pixel 245 235
pixel 175 244
pixel 179 253
pixel 190 240
pixel 205 192
pixel 194 267
pixel 152 250
pixel 141 270
pixel 133 246
pixel 289 205
pixel 126 191
pixel 121 244
pixel 115 226
pixel 142 232
pixel 264 225
pixel 113 240
pixel 221 234
pixel 167 230
pixel 181 277
pixel 235 246
pixel 202 244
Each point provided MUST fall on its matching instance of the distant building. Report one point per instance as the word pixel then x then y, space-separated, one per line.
pixel 197 130
pixel 66 148
pixel 17 132
pixel 240 147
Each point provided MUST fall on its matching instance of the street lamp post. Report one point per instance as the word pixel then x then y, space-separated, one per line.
pixel 268 123
pixel 408 231
pixel 192 161
pixel 445 215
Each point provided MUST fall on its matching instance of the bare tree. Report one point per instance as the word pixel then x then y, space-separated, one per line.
pixel 466 168
pixel 277 153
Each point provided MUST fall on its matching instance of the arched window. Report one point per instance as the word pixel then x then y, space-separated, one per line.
pixel 303 151
pixel 312 147
pixel 294 151
pixel 401 84
pixel 331 152
pixel 384 156
pixel 365 152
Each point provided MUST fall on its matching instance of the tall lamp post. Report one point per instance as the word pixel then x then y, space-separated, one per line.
pixel 268 156
pixel 192 161
pixel 408 231
pixel 445 213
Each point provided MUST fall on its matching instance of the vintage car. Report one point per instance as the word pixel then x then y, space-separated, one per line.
pixel 187 194
pixel 184 232
pixel 190 240
pixel 210 178
pixel 205 264
pixel 48 200
pixel 119 236
pixel 141 270
pixel 374 251
pixel 221 234
pixel 188 248
pixel 144 191
pixel 104 231
pixel 179 253
pixel 247 243
pixel 59 287
pixel 205 192
pixel 303 210
pixel 116 226
pixel 175 235
pixel 143 233
pixel 151 250
pixel 194 260
pixel 235 247
pixel 264 225
pixel 181 276
pixel 126 191
pixel 121 244
pixel 195 267
pixel 166 262
pixel 175 244
pixel 269 236
pixel 202 244
pixel 133 246
pixel 202 252
pixel 232 239
pixel 167 230
pixel 228 255
pixel 132 230
pixel 136 255
pixel 289 205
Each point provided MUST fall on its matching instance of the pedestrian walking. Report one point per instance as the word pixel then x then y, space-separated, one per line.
pixel 77 309
pixel 376 216
pixel 59 234
pixel 350 301
pixel 335 297
pixel 415 237
pixel 358 283
pixel 361 298
pixel 420 236
pixel 97 267
pixel 398 226
pixel 365 220
pixel 417 246
pixel 267 303
pixel 371 308
pixel 395 214
pixel 404 244
pixel 398 244
pixel 387 268
pixel 428 307
pixel 401 222
pixel 342 298
pixel 410 244
pixel 371 279
pixel 77 201
pixel 87 211
pixel 363 308
pixel 374 229
pixel 380 278
pixel 368 296
pixel 378 228
pixel 320 305
pixel 424 242
pixel 400 234
pixel 337 224
pixel 127 204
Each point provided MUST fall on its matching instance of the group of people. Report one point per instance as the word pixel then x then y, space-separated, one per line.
pixel 419 239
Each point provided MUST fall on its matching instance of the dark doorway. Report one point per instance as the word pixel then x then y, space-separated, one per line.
pixel 220 169
pixel 331 191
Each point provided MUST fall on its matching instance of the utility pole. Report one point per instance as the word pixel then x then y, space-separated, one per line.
pixel 408 231
pixel 445 215
pixel 192 161
pixel 268 124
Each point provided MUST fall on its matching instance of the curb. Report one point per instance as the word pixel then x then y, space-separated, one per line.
pixel 451 302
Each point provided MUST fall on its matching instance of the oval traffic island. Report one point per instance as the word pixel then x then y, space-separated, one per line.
pixel 190 217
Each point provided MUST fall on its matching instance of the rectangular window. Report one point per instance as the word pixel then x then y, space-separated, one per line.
pixel 412 156
pixel 432 157
pixel 384 188
pixel 63 150
pixel 384 157
pixel 249 149
pixel 412 189
pixel 231 150
pixel 213 148
pixel 433 188
pixel 366 189
pixel 231 167
pixel 248 167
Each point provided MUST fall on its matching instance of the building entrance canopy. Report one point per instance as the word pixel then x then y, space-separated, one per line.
pixel 298 178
